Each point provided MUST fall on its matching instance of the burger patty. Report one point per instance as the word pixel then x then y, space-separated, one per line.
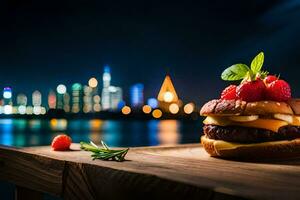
pixel 241 134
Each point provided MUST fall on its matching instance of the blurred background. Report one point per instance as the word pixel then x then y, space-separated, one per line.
pixel 130 73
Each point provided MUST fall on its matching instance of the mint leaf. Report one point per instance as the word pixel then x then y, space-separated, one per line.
pixel 235 72
pixel 257 63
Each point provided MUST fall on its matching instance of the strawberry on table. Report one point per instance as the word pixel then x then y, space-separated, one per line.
pixel 61 143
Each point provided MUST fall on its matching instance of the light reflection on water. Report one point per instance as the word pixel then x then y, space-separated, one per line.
pixel 168 132
pixel 6 128
pixel 19 132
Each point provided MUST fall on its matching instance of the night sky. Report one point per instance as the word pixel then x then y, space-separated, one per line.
pixel 44 43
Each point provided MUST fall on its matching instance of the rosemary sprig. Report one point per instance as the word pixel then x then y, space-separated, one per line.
pixel 104 153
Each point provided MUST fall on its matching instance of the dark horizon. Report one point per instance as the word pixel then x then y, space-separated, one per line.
pixel 45 44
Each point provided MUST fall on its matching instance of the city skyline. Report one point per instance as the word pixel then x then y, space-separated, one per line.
pixel 92 98
pixel 98 79
pixel 75 98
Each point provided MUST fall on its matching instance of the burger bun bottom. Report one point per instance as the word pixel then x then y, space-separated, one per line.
pixel 265 150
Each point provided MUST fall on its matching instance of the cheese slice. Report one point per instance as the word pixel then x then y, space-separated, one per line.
pixel 291 119
pixel 223 145
pixel 296 121
pixel 269 124
pixel 220 121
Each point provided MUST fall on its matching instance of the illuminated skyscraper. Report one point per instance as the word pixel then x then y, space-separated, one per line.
pixel 36 102
pixel 21 100
pixel 7 100
pixel 87 99
pixel 93 84
pixel 77 94
pixel 7 96
pixel 96 103
pixel 111 95
pixel 106 76
pixel 22 103
pixel 52 99
pixel 66 102
pixel 36 98
pixel 137 95
pixel 116 96
pixel 105 97
pixel 60 91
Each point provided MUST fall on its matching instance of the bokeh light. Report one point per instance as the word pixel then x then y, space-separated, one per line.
pixel 61 89
pixel 96 99
pixel 156 113
pixel 37 110
pixel 189 108
pixel 58 124
pixel 153 103
pixel 43 110
pixel 126 110
pixel 7 93
pixel 86 109
pixel 95 124
pixel 22 110
pixel 174 108
pixel 168 97
pixel 168 132
pixel 29 110
pixel 93 82
pixel 147 109
pixel 8 109
pixel 15 110
pixel 97 107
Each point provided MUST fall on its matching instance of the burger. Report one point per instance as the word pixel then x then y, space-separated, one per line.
pixel 255 119
pixel 235 128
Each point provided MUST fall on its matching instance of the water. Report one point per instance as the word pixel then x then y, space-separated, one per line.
pixel 22 133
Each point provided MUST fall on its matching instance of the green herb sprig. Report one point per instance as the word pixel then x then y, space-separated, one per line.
pixel 104 153
pixel 243 72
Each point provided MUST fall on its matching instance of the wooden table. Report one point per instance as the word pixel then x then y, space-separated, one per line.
pixel 178 172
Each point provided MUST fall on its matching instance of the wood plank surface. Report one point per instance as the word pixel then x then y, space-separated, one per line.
pixel 178 172
pixel 25 194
